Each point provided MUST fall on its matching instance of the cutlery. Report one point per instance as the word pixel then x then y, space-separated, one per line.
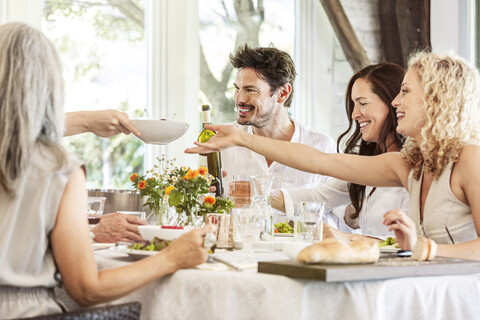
pixel 212 258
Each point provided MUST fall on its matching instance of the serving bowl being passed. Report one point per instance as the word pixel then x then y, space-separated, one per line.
pixel 150 232
pixel 160 131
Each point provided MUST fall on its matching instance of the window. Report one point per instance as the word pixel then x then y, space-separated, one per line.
pixel 226 25
pixel 103 50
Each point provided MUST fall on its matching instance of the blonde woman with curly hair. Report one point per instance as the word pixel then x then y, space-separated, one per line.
pixel 438 108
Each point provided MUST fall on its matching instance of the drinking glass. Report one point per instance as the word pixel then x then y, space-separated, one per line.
pixel 240 190
pixel 225 228
pixel 95 206
pixel 248 224
pixel 308 219
pixel 261 202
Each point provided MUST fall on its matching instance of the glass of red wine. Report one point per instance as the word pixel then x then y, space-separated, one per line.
pixel 95 208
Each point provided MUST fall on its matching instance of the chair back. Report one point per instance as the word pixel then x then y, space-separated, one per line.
pixel 125 311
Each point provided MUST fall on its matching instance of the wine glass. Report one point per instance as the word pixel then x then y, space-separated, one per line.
pixel 248 224
pixel 309 218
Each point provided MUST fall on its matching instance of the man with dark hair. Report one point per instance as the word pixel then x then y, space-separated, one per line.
pixel 263 95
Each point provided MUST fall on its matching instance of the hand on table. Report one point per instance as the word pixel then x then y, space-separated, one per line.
pixel 188 250
pixel 118 227
pixel 404 228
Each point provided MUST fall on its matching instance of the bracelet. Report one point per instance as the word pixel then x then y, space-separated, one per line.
pixel 424 250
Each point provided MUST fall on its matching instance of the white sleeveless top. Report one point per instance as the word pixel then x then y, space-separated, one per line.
pixel 27 218
pixel 446 220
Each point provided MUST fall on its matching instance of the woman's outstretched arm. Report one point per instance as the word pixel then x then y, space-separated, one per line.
pixel 386 170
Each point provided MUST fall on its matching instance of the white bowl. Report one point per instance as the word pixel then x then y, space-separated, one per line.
pixel 160 131
pixel 149 232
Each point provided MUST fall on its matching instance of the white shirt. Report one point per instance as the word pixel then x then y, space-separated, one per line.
pixel 243 160
pixel 335 193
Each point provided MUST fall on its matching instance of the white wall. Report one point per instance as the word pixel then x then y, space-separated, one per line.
pixel 27 11
pixel 314 40
pixel 452 27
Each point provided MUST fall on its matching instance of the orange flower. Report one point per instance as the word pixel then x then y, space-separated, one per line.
pixel 203 171
pixel 133 177
pixel 209 199
pixel 191 174
pixel 142 184
pixel 169 189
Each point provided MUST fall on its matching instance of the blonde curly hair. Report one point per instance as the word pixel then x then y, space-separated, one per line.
pixel 451 95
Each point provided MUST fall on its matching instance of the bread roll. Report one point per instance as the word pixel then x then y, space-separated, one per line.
pixel 424 250
pixel 333 251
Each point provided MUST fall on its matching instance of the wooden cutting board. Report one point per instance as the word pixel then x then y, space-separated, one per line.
pixel 387 267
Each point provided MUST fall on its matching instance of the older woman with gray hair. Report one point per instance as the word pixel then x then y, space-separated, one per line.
pixel 43 225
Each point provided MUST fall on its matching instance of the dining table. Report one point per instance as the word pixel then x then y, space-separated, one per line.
pixel 214 291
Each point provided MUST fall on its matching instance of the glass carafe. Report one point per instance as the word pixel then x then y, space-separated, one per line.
pixel 261 185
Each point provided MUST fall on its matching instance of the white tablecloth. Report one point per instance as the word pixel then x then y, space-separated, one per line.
pixel 201 294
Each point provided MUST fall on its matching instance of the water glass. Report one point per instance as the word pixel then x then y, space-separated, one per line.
pixel 261 202
pixel 95 206
pixel 308 221
pixel 248 224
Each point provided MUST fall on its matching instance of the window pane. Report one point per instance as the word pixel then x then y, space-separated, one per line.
pixel 227 24
pixel 103 50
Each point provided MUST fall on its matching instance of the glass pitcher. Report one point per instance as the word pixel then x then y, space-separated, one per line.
pixel 261 185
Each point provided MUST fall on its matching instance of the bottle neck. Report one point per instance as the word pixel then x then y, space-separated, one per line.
pixel 206 117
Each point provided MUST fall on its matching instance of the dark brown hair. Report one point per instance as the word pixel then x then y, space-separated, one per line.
pixel 274 66
pixel 385 80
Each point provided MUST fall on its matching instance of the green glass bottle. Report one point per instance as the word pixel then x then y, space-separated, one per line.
pixel 214 162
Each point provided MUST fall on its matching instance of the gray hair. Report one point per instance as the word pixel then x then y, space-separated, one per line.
pixel 31 99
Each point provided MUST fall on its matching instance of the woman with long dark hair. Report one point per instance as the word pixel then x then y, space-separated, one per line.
pixel 371 131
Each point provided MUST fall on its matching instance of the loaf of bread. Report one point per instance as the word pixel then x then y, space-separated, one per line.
pixel 424 250
pixel 330 250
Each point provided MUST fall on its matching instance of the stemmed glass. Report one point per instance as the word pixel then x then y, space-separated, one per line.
pixel 310 217
pixel 248 224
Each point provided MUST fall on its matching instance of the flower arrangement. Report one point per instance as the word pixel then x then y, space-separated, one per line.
pixel 166 186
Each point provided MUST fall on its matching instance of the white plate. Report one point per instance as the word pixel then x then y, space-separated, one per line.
pixel 292 249
pixel 100 245
pixel 283 234
pixel 389 249
pixel 263 246
pixel 134 254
